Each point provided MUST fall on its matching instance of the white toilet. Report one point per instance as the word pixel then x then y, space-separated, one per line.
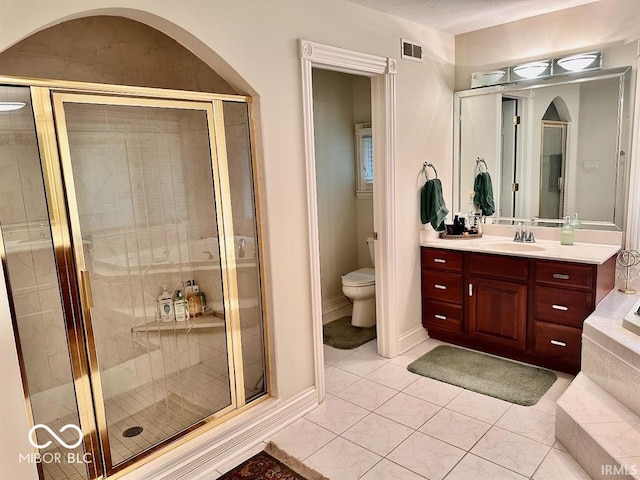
pixel 360 287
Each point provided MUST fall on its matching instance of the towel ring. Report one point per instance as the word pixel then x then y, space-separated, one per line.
pixel 425 165
pixel 480 160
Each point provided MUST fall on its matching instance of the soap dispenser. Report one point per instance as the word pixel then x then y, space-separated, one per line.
pixel 566 232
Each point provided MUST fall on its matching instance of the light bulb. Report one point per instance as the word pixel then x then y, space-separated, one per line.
pixel 531 70
pixel 10 106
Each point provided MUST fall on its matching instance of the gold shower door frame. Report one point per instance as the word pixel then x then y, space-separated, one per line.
pixel 49 113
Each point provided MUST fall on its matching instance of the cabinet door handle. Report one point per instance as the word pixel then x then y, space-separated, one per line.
pixel 440 287
pixel 439 260
pixel 471 290
pixel 558 343
pixel 559 307
pixel 440 317
pixel 561 276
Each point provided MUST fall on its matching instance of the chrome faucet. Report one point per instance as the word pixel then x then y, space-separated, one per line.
pixel 523 235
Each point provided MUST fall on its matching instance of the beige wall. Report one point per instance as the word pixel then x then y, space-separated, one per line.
pixel 253 45
pixel 339 102
pixel 607 23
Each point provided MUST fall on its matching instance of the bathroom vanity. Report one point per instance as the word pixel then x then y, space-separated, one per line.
pixel 522 301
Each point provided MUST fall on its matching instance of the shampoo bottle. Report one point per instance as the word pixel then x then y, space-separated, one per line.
pixel 566 232
pixel 201 296
pixel 193 300
pixel 165 306
pixel 180 307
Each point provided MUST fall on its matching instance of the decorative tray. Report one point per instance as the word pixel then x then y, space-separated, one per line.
pixel 464 236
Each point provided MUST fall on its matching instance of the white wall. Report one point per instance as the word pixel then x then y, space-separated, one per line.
pixel 254 46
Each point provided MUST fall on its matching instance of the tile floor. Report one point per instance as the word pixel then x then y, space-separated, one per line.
pixel 382 422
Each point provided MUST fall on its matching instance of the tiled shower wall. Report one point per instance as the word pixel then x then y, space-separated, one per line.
pixel 107 49
pixel 143 196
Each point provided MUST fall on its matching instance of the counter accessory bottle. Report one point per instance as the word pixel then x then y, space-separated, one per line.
pixel 165 306
pixel 566 232
pixel 180 307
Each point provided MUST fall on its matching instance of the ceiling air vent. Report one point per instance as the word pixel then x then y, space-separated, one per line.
pixel 410 50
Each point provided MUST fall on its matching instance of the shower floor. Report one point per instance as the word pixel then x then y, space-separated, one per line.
pixel 162 408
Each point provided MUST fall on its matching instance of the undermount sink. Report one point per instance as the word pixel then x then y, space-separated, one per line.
pixel 516 247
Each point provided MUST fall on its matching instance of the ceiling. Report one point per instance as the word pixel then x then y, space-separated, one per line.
pixel 461 16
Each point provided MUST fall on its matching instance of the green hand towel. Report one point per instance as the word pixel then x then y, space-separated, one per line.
pixel 484 193
pixel 432 207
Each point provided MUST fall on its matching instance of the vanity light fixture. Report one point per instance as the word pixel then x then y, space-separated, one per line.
pixel 580 62
pixel 566 65
pixel 11 106
pixel 481 79
pixel 531 69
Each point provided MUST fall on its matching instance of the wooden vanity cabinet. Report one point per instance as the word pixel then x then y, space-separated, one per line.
pixel 565 294
pixel 497 299
pixel 522 308
pixel 442 283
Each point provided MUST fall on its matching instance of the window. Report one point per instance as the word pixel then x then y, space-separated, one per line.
pixel 364 159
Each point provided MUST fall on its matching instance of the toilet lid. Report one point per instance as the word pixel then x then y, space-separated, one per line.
pixel 359 278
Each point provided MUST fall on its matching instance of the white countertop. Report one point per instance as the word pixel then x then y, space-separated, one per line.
pixel 546 249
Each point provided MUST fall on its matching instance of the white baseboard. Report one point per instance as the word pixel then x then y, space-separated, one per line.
pixel 332 304
pixel 410 339
pixel 199 458
pixel 335 308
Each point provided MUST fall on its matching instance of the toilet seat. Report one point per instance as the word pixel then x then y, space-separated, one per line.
pixel 359 278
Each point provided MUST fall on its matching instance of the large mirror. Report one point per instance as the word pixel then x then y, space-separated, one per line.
pixel 551 147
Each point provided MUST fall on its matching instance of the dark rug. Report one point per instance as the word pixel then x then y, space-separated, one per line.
pixel 341 334
pixel 272 464
pixel 496 377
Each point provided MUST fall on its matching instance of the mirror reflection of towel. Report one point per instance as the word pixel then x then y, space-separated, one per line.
pixel 483 197
pixel 432 207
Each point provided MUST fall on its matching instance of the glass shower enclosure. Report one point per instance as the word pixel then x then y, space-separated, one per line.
pixel 110 199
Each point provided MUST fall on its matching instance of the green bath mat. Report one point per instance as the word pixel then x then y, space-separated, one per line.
pixel 341 334
pixel 496 377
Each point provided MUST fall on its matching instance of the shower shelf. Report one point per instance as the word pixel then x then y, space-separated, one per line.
pixel 208 320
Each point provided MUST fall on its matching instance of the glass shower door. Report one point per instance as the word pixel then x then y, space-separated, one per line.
pixel 146 198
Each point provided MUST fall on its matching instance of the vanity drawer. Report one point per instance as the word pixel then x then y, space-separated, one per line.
pixel 565 274
pixel 567 307
pixel 557 341
pixel 441 316
pixel 441 259
pixel 442 286
pixel 498 266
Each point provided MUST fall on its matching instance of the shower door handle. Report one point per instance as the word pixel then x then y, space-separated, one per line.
pixel 87 293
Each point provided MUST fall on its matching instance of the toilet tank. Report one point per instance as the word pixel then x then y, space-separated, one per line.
pixel 372 252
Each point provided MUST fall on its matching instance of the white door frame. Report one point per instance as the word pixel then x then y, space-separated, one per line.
pixel 382 71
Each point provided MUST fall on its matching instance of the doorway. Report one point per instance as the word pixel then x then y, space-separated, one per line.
pixel 344 176
pixel 382 71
